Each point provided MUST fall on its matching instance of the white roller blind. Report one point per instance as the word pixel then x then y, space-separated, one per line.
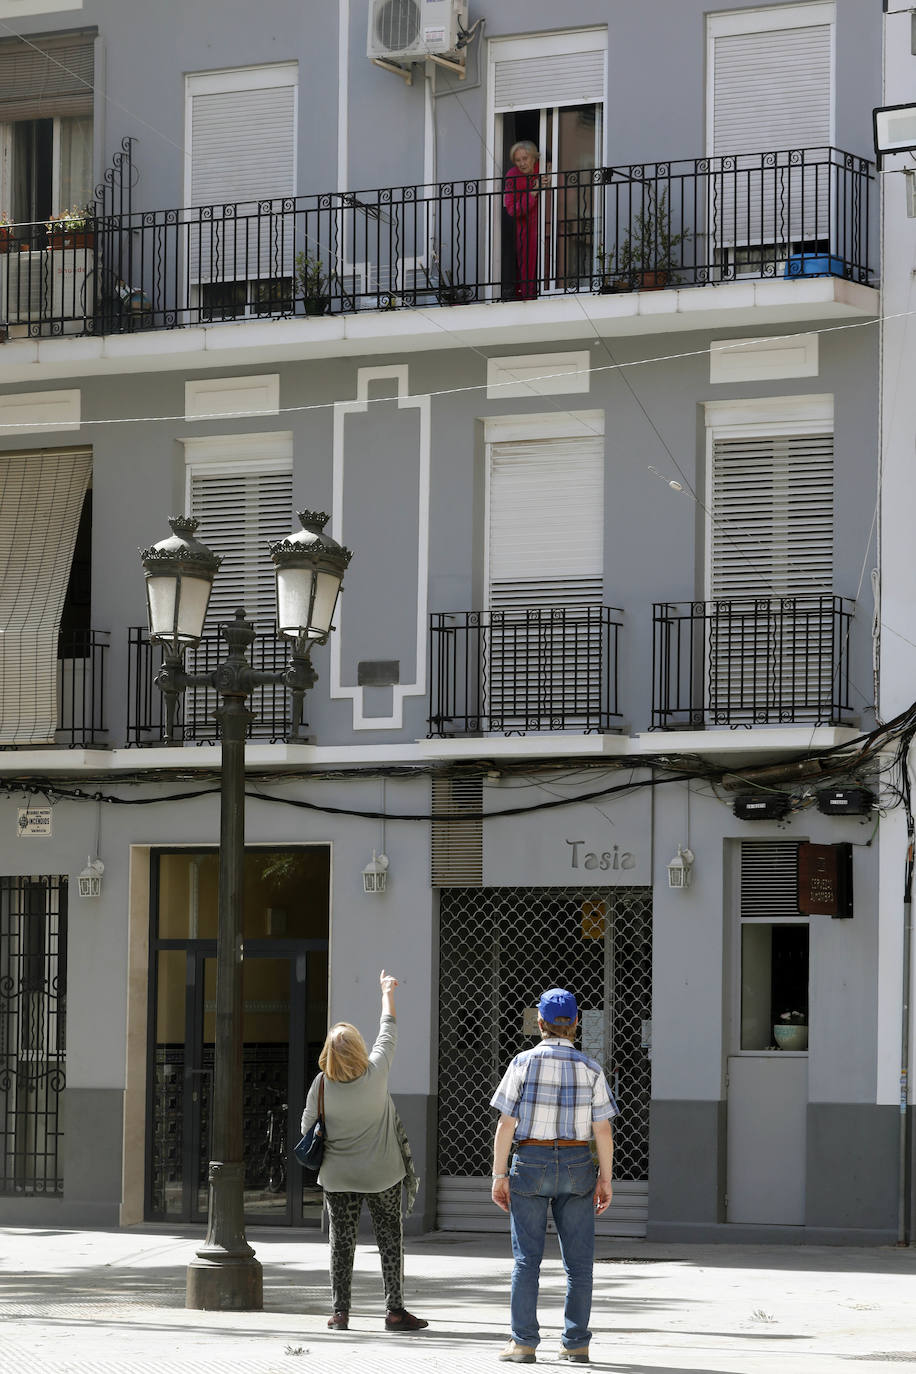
pixel 771 93
pixel 546 525
pixel 243 152
pixel 51 74
pixel 530 83
pixel 41 499
pixel 772 516
pixel 772 90
pixel 240 513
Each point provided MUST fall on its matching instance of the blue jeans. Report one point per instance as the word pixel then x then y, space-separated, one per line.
pixel 563 1178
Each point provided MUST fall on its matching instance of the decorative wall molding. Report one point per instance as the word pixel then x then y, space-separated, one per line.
pixel 41 411
pixel 538 374
pixel 763 360
pixel 236 396
pixel 364 377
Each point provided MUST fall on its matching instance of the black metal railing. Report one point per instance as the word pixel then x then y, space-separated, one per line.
pixel 751 661
pixel 689 222
pixel 196 722
pixel 81 664
pixel 523 670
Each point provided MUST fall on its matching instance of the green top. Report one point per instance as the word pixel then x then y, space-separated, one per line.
pixel 362 1154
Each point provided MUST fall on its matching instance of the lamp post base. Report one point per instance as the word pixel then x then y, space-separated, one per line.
pixel 230 1284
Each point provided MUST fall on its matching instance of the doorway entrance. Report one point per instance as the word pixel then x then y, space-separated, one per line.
pixel 284 993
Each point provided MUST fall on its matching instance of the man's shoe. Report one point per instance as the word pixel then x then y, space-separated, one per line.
pixel 399 1319
pixel 577 1356
pixel 518 1354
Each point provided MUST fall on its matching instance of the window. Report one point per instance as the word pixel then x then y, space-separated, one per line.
pixel 770 532
pixel 770 91
pixel 46 126
pixel 42 498
pixel 550 89
pixel 545 569
pixel 241 169
pixel 33 975
pixel 774 947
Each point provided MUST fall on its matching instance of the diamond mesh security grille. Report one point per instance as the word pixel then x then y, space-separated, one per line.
pixel 33 998
pixel 499 949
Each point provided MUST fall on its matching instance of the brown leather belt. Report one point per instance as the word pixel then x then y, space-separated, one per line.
pixel 551 1143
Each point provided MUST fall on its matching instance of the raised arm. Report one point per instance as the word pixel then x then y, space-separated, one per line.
pixel 388 984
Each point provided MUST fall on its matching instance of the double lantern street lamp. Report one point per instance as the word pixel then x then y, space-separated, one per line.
pixel 179 578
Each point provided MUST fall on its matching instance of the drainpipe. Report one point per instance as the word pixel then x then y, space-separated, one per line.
pixel 907 956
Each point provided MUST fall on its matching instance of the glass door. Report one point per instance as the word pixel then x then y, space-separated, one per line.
pixel 279 1058
pixel 571 150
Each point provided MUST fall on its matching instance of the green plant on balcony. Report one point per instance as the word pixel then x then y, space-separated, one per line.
pixel 74 228
pixel 648 252
pixel 313 284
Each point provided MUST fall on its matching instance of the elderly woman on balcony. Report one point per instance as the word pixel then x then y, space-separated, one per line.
pixel 523 181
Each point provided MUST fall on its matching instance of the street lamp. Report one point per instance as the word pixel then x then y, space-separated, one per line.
pixel 179 578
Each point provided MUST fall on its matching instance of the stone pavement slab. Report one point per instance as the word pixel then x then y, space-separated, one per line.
pixel 100 1302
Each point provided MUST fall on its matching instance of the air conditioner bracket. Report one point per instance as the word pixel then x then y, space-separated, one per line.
pixel 405 72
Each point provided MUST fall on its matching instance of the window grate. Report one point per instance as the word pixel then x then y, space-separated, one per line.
pixel 33 999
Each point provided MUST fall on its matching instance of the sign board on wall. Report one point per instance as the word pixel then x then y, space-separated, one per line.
pixel 825 879
pixel 34 820
pixel 568 846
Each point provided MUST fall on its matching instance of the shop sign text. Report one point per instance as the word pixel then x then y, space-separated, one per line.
pixel 613 858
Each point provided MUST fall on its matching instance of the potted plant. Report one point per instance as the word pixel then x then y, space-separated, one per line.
pixel 6 237
pixel 71 229
pixel 648 252
pixel 610 278
pixel 313 284
pixel 791 1030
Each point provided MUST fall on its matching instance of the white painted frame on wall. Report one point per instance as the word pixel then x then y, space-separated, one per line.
pixel 364 377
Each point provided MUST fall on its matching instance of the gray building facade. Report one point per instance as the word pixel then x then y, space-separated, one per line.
pixel 603 436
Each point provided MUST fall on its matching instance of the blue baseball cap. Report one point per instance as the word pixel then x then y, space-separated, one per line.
pixel 557 1004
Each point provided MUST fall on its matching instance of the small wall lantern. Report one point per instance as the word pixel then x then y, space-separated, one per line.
pixel 680 869
pixel 90 880
pixel 375 874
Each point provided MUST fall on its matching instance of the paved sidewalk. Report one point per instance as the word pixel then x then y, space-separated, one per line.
pixel 101 1302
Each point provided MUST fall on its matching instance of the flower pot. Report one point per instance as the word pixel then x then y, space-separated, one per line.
pixel 612 286
pixel 790 1037
pixel 73 238
pixel 316 305
pixel 6 238
pixel 653 281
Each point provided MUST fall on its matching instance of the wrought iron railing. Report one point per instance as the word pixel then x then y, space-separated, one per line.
pixel 196 721
pixel 523 670
pixel 751 661
pixel 81 663
pixel 689 222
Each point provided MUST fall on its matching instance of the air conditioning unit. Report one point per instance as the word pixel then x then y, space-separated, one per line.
pixel 24 288
pixel 411 30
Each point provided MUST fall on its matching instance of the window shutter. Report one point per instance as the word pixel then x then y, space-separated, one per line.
pixel 41 500
pixel 531 83
pixel 546 526
pixel 240 513
pixel 771 92
pixel 546 556
pixel 772 516
pixel 50 75
pixel 769 880
pixel 456 846
pixel 243 153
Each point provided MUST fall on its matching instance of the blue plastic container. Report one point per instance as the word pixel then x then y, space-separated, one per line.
pixel 814 265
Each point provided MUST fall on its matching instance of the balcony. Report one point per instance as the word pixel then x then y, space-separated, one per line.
pixel 690 222
pixel 751 661
pixel 524 670
pixel 196 723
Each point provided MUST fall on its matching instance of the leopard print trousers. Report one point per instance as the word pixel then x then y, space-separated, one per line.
pixel 343 1221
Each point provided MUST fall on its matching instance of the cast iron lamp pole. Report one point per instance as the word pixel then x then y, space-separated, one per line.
pixel 225 1275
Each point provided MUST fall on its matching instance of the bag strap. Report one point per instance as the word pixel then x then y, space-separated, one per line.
pixel 321 1100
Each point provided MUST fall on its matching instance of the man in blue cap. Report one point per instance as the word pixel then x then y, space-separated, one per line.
pixel 552 1100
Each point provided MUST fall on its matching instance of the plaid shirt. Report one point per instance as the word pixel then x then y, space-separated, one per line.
pixel 555 1092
